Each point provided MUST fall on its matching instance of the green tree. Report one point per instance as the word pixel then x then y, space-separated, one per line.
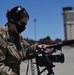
pixel 46 38
pixel 57 40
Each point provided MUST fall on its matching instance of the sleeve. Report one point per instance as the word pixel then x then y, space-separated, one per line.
pixel 4 70
pixel 28 48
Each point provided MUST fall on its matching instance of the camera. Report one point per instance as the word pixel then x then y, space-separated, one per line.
pixel 48 59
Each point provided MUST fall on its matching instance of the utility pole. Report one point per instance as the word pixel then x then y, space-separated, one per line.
pixel 35 28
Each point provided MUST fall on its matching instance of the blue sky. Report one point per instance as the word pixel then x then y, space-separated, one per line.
pixel 48 14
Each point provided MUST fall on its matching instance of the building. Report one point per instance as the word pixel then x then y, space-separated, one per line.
pixel 68 18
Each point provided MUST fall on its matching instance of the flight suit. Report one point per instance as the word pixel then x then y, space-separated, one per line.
pixel 13 50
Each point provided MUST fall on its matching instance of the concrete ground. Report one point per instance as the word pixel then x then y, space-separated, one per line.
pixel 67 68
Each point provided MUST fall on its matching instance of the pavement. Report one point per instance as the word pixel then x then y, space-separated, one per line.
pixel 66 68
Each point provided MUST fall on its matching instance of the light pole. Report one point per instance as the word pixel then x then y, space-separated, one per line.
pixel 35 28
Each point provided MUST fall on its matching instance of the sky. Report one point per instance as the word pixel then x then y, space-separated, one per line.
pixel 48 15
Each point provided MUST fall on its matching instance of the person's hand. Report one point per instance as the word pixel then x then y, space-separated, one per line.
pixel 41 46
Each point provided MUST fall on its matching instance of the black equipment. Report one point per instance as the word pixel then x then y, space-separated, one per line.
pixel 46 60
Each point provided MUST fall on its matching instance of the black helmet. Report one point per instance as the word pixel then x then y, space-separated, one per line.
pixel 16 14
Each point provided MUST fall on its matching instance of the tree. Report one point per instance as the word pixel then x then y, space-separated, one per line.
pixel 46 38
pixel 57 40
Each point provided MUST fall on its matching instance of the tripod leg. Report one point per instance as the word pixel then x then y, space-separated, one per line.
pixel 50 71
